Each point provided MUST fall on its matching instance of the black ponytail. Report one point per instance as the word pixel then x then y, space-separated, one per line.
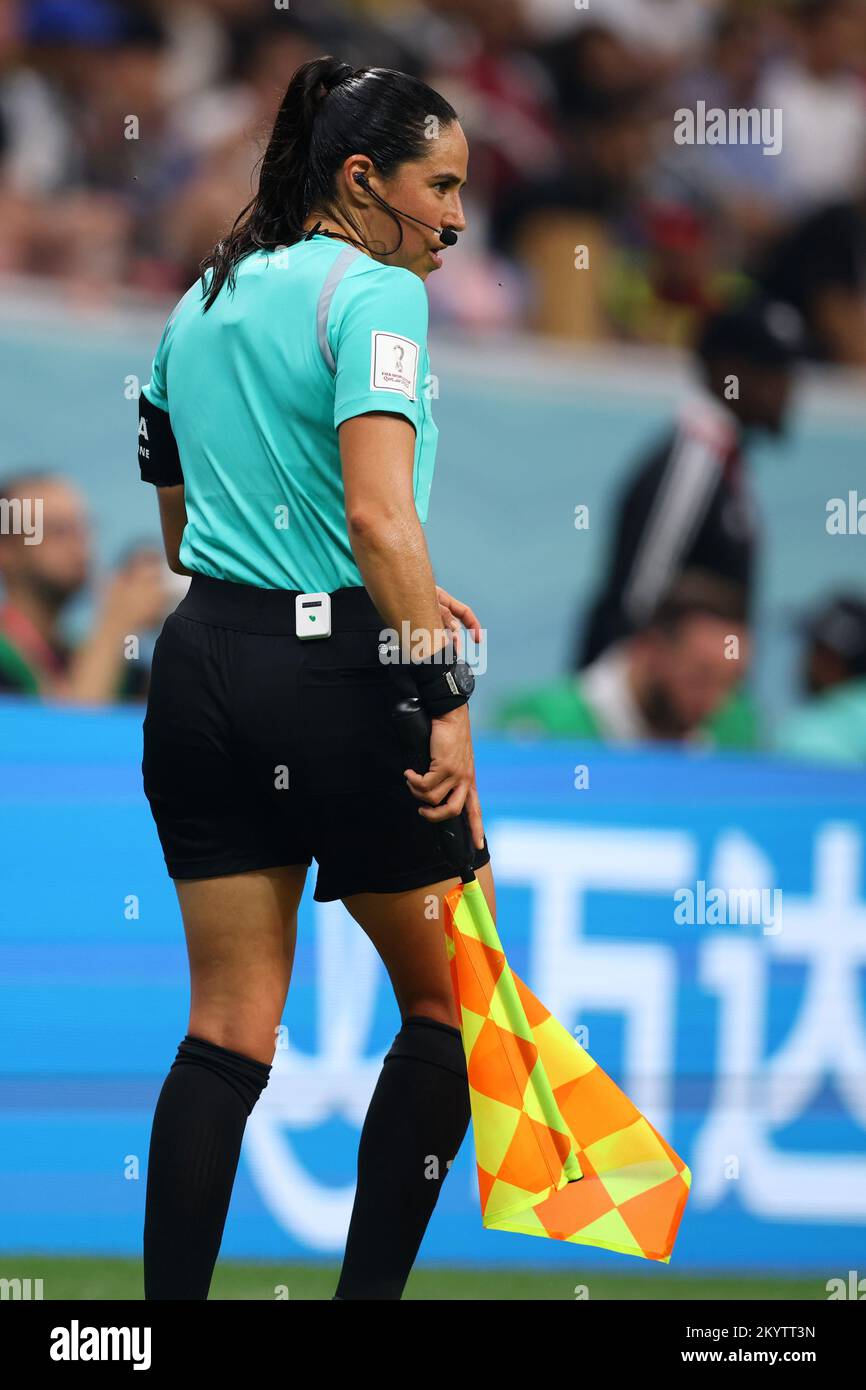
pixel 329 112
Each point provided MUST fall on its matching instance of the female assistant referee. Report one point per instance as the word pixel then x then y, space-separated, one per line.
pixel 288 431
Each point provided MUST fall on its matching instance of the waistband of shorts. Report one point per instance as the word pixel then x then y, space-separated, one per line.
pixel 248 608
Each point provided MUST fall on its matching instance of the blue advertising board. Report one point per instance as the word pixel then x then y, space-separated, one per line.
pixel 698 920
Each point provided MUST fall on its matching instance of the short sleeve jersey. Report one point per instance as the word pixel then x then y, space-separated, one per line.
pixel 256 389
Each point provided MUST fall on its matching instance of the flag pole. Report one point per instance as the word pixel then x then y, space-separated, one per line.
pixel 413 724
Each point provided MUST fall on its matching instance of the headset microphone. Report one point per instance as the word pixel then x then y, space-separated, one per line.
pixel 446 235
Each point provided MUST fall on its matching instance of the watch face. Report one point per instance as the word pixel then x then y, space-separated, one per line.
pixel 464 678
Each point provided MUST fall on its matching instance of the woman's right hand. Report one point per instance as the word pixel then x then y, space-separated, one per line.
pixel 451 773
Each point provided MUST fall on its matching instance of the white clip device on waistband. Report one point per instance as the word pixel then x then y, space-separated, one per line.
pixel 313 615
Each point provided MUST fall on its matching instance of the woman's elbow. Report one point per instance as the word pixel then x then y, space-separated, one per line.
pixel 174 564
pixel 379 528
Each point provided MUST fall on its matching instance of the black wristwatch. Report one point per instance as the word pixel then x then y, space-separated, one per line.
pixel 442 688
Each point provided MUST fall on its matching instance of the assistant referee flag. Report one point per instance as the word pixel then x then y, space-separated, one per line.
pixel 562 1152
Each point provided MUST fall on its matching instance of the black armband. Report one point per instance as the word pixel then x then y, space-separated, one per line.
pixel 158 458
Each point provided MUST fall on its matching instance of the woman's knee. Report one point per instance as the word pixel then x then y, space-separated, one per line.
pixel 250 1036
pixel 240 1009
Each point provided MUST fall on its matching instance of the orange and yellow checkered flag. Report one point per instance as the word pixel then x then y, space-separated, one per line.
pixel 561 1150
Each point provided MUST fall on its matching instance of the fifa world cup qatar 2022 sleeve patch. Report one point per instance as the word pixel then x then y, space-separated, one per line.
pixel 394 364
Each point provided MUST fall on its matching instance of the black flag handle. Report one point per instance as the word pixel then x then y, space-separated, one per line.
pixel 413 725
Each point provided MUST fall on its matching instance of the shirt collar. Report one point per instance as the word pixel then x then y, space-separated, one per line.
pixel 607 690
pixel 606 687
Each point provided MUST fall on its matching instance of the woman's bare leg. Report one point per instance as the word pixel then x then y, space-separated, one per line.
pixel 419 1111
pixel 408 932
pixel 240 937
pixel 240 933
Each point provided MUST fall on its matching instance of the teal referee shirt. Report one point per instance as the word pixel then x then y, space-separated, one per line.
pixel 255 389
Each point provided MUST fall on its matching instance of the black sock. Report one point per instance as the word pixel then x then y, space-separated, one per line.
pixel 419 1112
pixel 195 1144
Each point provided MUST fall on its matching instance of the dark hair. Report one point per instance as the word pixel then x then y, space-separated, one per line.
pixel 699 593
pixel 810 13
pixel 330 111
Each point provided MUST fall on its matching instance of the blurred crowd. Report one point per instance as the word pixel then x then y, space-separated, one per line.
pixel 130 129
pixel 663 655
pixel 665 652
pixel 129 135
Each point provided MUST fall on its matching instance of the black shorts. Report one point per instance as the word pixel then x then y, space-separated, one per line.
pixel 263 749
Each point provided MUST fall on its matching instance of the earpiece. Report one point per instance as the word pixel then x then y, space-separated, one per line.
pixel 446 236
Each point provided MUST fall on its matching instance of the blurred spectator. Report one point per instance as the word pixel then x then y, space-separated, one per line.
pixel 563 228
pixel 675 679
pixel 688 505
pixel 819 266
pixel 823 101
pixel 728 185
pixel 95 109
pixel 198 44
pixel 130 132
pixel 500 89
pixel 227 127
pixel 831 726
pixel 45 561
pixel 36 141
pixel 482 61
pixel 660 32
pixel 669 29
pixel 589 67
pixel 666 276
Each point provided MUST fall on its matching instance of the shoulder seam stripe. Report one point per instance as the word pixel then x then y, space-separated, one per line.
pixel 323 309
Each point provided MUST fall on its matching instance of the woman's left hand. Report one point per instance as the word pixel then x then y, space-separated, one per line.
pixel 456 615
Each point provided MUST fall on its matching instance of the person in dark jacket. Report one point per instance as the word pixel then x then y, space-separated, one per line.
pixel 688 505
